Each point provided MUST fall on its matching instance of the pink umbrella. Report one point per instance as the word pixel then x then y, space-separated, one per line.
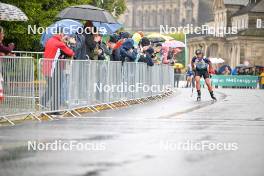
pixel 173 44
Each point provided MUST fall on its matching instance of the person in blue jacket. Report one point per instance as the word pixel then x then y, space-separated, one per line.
pixel 127 51
pixel 146 52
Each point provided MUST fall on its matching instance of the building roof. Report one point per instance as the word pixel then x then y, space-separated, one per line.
pixel 251 8
pixel 236 2
pixel 259 7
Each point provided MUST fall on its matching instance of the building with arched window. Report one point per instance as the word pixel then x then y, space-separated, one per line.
pixel 246 44
pixel 150 14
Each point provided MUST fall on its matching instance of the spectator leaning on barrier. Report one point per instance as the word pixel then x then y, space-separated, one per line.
pixel 127 51
pixel 146 52
pixel 53 47
pixel 157 53
pixel 53 44
pixel 5 50
pixel 115 51
pixel 104 44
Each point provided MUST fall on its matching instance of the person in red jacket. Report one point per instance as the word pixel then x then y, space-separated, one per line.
pixel 52 73
pixel 52 45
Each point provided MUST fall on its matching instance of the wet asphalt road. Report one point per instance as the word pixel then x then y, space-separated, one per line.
pixel 154 139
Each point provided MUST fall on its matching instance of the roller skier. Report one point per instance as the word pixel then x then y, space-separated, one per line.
pixel 201 67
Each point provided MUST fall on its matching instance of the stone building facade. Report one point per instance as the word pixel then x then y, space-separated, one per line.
pixel 148 15
pixel 244 46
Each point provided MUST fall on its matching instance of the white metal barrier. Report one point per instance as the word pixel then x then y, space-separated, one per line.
pixel 35 55
pixel 17 82
pixel 68 84
pixel 64 85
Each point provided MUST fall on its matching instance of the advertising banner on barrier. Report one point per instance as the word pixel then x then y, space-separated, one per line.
pixel 234 81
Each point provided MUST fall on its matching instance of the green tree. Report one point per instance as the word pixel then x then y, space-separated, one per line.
pixel 116 7
pixel 42 14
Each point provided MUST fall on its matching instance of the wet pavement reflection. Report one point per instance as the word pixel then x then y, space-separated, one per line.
pixel 158 139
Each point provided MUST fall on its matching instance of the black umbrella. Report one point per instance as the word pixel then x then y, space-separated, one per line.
pixel 86 12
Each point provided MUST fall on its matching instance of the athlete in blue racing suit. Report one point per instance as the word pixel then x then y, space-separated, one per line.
pixel 201 67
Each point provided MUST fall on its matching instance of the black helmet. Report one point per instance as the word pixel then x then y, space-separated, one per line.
pixel 199 51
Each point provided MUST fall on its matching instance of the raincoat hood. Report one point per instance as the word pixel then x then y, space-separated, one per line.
pixel 128 44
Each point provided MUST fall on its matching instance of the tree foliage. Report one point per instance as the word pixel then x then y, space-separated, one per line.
pixel 42 14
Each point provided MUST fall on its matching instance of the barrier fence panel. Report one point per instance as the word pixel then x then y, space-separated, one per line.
pixel 172 77
pixel 51 94
pixel 67 84
pixel 100 78
pixel 77 78
pixel 34 55
pixel 129 79
pixel 115 76
pixel 17 84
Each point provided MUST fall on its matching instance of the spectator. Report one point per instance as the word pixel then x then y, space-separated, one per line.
pixel 226 71
pixel 190 77
pixel 123 36
pixel 5 50
pixel 127 51
pixel 240 71
pixel 51 71
pixel 165 55
pixel 99 50
pixel 80 48
pixel 147 52
pixel 157 53
pixel 90 42
pixel 115 51
pixel 54 44
pixel 235 71
pixel 177 75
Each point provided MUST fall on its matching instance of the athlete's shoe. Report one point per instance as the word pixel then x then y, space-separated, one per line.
pixel 198 95
pixel 212 96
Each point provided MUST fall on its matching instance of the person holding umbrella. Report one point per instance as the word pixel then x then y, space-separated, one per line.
pixel 201 67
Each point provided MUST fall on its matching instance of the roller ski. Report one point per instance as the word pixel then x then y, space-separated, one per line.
pixel 198 95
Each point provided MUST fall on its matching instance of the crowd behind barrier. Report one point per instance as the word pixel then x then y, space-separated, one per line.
pixel 75 83
pixel 68 84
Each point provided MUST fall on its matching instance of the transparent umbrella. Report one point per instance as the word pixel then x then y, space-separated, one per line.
pixel 11 13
